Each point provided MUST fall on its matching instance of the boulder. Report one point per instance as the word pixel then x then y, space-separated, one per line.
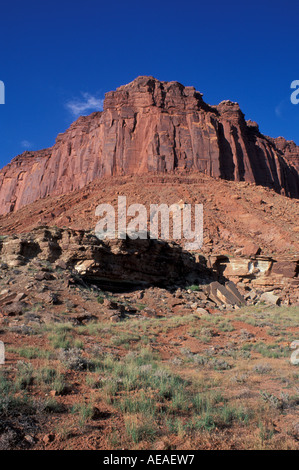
pixel 270 298
pixel 223 295
pixel 13 309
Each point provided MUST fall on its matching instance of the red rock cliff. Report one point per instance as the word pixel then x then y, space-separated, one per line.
pixel 289 150
pixel 151 126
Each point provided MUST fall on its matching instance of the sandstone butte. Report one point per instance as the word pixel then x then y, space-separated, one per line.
pixel 149 126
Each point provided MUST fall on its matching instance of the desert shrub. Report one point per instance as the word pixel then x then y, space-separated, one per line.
pixel 271 350
pixel 124 338
pixel 12 399
pixel 193 288
pixel 25 375
pixel 52 378
pixel 31 352
pixel 140 429
pixel 50 405
pixel 262 368
pixel 220 364
pixel 84 412
pixel 72 359
pixel 278 403
pixel 140 404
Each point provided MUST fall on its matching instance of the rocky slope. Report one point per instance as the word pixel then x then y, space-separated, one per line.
pixel 126 262
pixel 149 126
pixel 124 265
pixel 238 216
pixel 250 235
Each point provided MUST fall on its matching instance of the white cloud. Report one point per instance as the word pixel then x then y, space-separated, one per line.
pixel 279 109
pixel 86 104
pixel 26 144
pixel 284 109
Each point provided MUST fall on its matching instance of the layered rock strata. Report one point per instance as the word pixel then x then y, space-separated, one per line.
pixel 149 126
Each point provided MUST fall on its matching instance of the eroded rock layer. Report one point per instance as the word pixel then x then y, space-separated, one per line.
pixel 154 262
pixel 125 264
pixel 149 126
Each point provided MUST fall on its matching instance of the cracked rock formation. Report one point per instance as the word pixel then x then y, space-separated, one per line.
pixel 153 262
pixel 149 126
pixel 125 264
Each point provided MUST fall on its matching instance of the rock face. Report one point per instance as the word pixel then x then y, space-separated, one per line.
pixel 289 150
pixel 127 264
pixel 261 273
pixel 122 262
pixel 149 126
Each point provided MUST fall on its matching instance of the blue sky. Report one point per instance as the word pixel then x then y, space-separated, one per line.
pixel 59 58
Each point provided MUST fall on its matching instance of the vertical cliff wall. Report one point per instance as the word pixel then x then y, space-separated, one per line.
pixel 152 126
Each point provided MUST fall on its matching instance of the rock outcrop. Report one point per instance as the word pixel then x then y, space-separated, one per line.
pixel 289 150
pixel 123 262
pixel 149 126
pixel 261 274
